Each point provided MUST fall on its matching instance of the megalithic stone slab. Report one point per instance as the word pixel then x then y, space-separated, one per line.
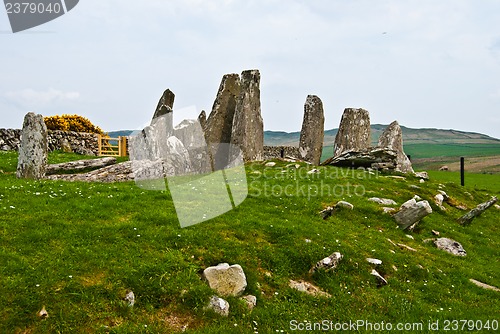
pixel 354 131
pixel 32 161
pixel 248 127
pixel 392 138
pixel 164 116
pixel 219 124
pixel 313 130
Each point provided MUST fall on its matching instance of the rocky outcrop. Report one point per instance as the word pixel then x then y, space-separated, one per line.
pixel 354 132
pixel 248 127
pixel 328 263
pixel 392 139
pixel 312 133
pixel 32 160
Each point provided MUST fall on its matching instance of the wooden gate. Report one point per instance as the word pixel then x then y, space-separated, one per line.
pixel 112 147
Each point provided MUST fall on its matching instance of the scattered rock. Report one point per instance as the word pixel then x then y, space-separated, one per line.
pixel 477 211
pixel 374 261
pixel 328 263
pixel 32 160
pixel 219 306
pixel 397 177
pixel 43 314
pixel 130 298
pixel 412 212
pixel 392 138
pixel 250 300
pixel 414 187
pixel 313 171
pixel 444 168
pixel 327 212
pixel 484 285
pixel 438 199
pixel 381 280
pixel 226 280
pixel 344 205
pixel 436 233
pixel 417 198
pixel 497 206
pixel 422 181
pixel 382 201
pixel 270 164
pixel 422 175
pixel 312 133
pixel 354 132
pixel 389 210
pixel 308 288
pixel 450 246
pixel 248 128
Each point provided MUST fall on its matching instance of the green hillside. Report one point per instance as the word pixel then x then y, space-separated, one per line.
pixel 77 248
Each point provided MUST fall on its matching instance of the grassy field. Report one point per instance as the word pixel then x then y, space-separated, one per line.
pixel 76 248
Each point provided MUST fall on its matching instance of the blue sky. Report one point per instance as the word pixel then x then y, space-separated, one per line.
pixel 423 63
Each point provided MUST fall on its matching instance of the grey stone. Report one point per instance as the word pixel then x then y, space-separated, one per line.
pixel 80 165
pixel 65 146
pixel 412 212
pixel 328 263
pixel 484 285
pixel 130 298
pixel 250 300
pixel 226 280
pixel 451 246
pixel 165 105
pixel 202 119
pixel 374 261
pixel 392 138
pixel 422 175
pixel 345 205
pixel 380 278
pixel 308 288
pixel 382 201
pixel 219 306
pixel 354 132
pixel 377 158
pixel 219 125
pixel 444 168
pixel 32 159
pixel 312 133
pixel 248 127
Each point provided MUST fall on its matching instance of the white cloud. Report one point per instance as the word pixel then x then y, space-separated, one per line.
pixel 31 98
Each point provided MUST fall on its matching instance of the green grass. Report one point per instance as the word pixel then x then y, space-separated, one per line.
pixel 417 151
pixel 473 181
pixel 78 247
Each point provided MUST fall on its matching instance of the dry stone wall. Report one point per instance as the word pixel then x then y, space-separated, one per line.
pixel 82 143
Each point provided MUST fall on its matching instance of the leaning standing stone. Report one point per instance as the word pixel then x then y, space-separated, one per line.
pixel 248 127
pixel 33 149
pixel 312 134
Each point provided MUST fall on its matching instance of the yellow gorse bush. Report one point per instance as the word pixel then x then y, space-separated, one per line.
pixel 74 123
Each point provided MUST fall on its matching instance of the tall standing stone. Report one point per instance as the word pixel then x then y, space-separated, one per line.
pixel 354 131
pixel 392 138
pixel 220 121
pixel 32 161
pixel 164 112
pixel 313 130
pixel 248 127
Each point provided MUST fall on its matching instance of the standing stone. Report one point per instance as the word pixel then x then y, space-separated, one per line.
pixel 220 122
pixel 248 127
pixel 164 112
pixel 33 149
pixel 392 138
pixel 313 130
pixel 354 131
pixel 202 119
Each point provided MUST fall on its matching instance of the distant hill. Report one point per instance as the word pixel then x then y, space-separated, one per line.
pixel 410 136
